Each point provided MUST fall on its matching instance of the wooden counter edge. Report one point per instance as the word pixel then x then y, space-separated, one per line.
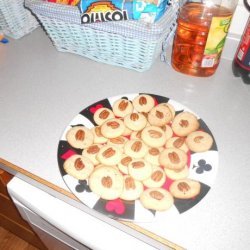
pixel 20 170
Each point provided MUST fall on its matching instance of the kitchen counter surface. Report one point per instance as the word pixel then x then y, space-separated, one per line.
pixel 41 90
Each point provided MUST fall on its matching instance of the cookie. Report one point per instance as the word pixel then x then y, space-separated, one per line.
pixel 78 166
pixel 177 142
pixel 152 155
pixel 156 179
pixel 171 108
pixel 98 137
pixel 112 128
pixel 177 174
pixel 106 182
pixel 199 141
pixel 143 103
pixel 91 153
pixel 153 136
pixel 185 188
pixel 109 155
pixel 103 114
pixel 122 107
pixel 102 165
pixel 160 115
pixel 132 189
pixel 184 123
pixel 157 199
pixel 135 121
pixel 140 169
pixel 123 164
pixel 168 131
pixel 79 137
pixel 127 132
pixel 135 148
pixel 173 158
pixel 118 141
pixel 135 135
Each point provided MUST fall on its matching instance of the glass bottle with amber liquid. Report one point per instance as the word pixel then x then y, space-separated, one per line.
pixel 241 62
pixel 200 36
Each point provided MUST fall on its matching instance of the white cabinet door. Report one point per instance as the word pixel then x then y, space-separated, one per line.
pixel 52 238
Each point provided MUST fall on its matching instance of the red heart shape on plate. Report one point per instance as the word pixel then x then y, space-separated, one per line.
pixel 116 206
pixel 67 154
pixel 156 102
pixel 95 108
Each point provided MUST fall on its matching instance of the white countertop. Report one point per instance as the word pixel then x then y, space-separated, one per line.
pixel 41 90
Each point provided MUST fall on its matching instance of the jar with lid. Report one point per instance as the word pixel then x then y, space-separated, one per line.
pixel 241 62
pixel 202 27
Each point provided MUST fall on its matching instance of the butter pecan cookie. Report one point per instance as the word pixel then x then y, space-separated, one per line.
pixel 112 128
pixel 177 142
pixel 127 132
pixel 132 188
pixel 140 169
pixel 91 153
pixel 136 135
pixel 135 148
pixel 118 141
pixel 98 136
pixel 122 107
pixel 123 164
pixel 103 114
pixel 173 158
pixel 143 103
pixel 184 123
pixel 135 121
pixel 78 166
pixel 153 136
pixel 199 141
pixel 107 182
pixel 168 131
pixel 177 174
pixel 160 115
pixel 109 155
pixel 185 188
pixel 156 179
pixel 79 137
pixel 157 199
pixel 171 108
pixel 152 155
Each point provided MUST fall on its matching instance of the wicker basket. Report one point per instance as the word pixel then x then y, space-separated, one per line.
pixel 130 44
pixel 15 20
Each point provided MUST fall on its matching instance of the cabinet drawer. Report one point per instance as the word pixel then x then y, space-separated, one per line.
pixel 8 209
pixel 21 232
pixel 3 190
pixel 4 179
